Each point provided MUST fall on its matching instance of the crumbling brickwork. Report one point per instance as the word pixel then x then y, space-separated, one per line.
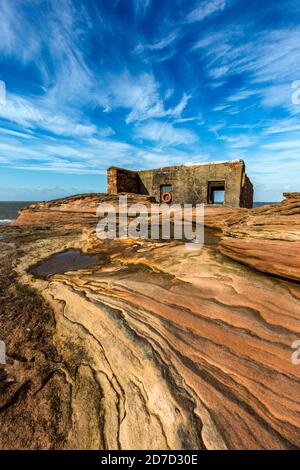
pixel 120 180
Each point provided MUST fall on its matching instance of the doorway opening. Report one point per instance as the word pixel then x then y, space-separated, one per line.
pixel 216 192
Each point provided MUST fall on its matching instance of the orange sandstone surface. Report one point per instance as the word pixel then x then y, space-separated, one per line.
pixel 267 238
pixel 158 346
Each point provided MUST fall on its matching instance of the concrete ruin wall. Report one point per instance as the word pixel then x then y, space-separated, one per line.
pixel 189 183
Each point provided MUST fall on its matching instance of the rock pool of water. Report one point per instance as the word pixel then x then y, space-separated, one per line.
pixel 69 260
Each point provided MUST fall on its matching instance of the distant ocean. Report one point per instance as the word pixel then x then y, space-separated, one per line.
pixel 259 204
pixel 9 210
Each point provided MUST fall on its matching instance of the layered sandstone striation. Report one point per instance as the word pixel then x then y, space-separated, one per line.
pixel 158 346
pixel 267 238
pixel 78 210
pixel 81 211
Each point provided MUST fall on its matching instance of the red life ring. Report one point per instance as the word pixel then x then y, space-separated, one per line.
pixel 166 197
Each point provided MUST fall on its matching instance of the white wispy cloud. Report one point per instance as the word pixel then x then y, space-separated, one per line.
pixel 33 114
pixel 285 126
pixel 206 9
pixel 66 77
pixel 12 24
pixel 141 95
pixel 283 145
pixel 68 84
pixel 242 95
pixel 90 155
pixel 242 142
pixel 165 133
pixel 269 60
pixel 67 126
pixel 141 6
pixel 221 107
pixel 207 41
pixel 19 134
pixel 158 45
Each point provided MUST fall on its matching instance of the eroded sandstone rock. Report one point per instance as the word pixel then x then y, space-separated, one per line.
pixel 267 238
pixel 159 347
pixel 72 211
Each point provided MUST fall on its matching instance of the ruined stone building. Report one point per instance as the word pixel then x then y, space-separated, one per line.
pixel 207 183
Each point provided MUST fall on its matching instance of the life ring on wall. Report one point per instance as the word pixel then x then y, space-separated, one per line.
pixel 166 197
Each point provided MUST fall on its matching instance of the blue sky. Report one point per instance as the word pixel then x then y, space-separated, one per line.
pixel 143 84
